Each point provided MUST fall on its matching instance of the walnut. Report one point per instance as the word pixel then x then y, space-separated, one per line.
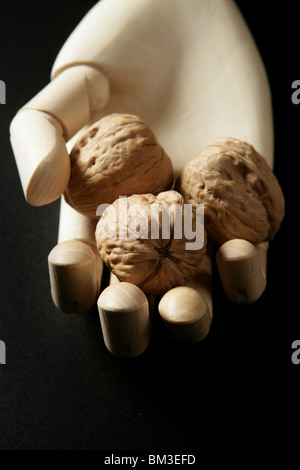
pixel 118 155
pixel 241 194
pixel 143 240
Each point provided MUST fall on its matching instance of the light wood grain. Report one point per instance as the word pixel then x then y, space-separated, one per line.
pixel 151 301
pixel 75 226
pixel 75 267
pixel 39 131
pixel 41 156
pixel 187 311
pixel 242 268
pixel 75 275
pixel 72 97
pixel 185 314
pixel 125 319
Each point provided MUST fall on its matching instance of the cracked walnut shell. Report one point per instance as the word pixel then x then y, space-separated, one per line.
pixel 117 155
pixel 240 193
pixel 140 240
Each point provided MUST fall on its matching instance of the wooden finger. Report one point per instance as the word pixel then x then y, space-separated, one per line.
pixel 242 269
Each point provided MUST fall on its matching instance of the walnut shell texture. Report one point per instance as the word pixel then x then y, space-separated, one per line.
pixel 241 195
pixel 117 155
pixel 155 263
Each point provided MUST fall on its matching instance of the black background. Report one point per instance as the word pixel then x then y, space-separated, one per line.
pixel 61 388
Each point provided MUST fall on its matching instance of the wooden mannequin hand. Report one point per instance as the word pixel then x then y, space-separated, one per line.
pixel 191 70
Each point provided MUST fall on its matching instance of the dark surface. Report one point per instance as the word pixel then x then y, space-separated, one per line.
pixel 60 388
